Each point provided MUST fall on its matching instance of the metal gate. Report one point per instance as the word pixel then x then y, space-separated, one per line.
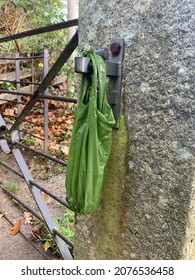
pixel 10 141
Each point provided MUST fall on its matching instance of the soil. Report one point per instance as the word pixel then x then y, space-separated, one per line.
pixel 24 246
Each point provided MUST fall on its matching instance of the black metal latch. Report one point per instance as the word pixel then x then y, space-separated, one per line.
pixel 114 62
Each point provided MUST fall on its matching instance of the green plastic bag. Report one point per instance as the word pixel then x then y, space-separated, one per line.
pixel 91 141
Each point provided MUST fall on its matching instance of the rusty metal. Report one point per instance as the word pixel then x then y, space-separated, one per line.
pixel 115 48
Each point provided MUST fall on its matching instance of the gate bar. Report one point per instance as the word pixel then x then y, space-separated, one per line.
pixel 60 161
pixel 40 30
pixel 41 204
pixel 64 163
pixel 11 169
pixel 55 231
pixel 66 53
pixel 21 57
pixel 23 205
pixel 49 97
pixel 51 194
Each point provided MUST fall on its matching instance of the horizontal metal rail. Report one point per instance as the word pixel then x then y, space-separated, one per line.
pixel 22 58
pixel 51 194
pixel 41 203
pixel 23 204
pixel 55 197
pixel 20 82
pixel 48 97
pixel 3 99
pixel 16 92
pixel 11 169
pixel 66 53
pixel 59 98
pixel 14 117
pixel 14 81
pixel 35 124
pixel 55 231
pixel 40 30
pixel 27 83
pixel 31 134
pixel 57 160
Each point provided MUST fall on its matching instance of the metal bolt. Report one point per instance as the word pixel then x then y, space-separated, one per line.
pixel 115 48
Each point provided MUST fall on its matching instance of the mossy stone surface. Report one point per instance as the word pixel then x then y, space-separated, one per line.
pixel 148 203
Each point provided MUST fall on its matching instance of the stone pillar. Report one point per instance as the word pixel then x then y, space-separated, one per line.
pixel 148 204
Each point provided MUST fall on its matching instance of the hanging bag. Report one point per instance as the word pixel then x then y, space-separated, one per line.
pixel 91 141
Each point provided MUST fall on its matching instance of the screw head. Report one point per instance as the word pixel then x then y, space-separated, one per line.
pixel 115 48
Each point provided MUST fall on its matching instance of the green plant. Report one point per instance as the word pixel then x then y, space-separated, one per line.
pixel 17 16
pixel 66 224
pixel 66 227
pixel 29 141
pixel 8 86
pixel 26 69
pixel 11 186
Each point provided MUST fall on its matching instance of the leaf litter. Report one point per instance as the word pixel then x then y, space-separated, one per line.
pixel 16 228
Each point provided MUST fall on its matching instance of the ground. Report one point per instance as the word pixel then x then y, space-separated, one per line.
pixel 24 245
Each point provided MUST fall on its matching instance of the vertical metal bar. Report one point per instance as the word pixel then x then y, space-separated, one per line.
pixel 33 75
pixel 45 69
pixel 41 204
pixel 17 65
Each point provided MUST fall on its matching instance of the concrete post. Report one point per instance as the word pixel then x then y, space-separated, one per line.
pixel 148 204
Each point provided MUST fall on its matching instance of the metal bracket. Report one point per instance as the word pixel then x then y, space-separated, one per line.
pixel 114 62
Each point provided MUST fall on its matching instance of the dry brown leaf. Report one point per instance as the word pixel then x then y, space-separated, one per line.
pixel 35 235
pixel 54 146
pixel 65 150
pixel 46 198
pixel 9 112
pixel 16 228
pixel 27 218
pixel 70 121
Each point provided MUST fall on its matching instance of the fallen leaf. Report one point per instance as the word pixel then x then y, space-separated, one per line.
pixel 35 235
pixel 27 218
pixel 70 121
pixel 53 187
pixel 65 150
pixel 46 245
pixel 4 200
pixel 16 228
pixel 46 198
pixel 40 65
pixel 5 171
pixel 9 112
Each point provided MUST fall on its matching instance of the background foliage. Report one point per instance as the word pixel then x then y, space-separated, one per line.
pixel 21 15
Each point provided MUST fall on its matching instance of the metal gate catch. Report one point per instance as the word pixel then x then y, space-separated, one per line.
pixel 114 61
